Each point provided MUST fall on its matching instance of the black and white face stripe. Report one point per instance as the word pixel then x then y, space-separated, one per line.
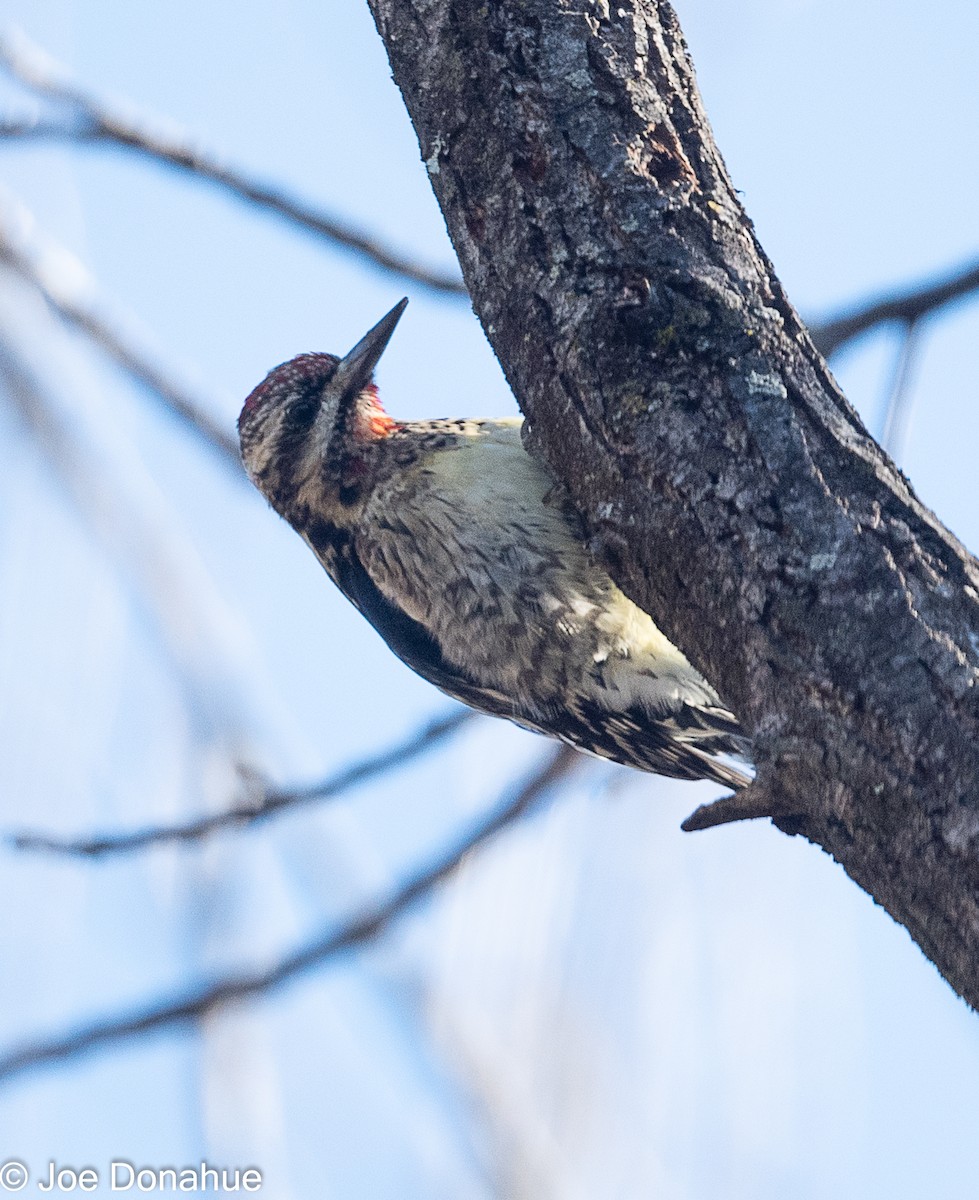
pixel 277 420
pixel 305 412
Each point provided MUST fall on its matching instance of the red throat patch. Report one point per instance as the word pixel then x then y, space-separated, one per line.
pixel 371 423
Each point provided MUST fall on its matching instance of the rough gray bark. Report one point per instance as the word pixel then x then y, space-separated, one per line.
pixel 729 486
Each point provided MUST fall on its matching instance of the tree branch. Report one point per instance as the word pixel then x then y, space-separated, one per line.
pixel 897 413
pixel 93 122
pixel 256 807
pixel 727 484
pixel 63 282
pixel 363 928
pixel 905 305
pixel 131 524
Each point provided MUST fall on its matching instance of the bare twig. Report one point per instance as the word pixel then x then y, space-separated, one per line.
pixel 254 809
pixel 133 526
pixel 908 306
pixel 360 929
pixel 93 122
pixel 36 128
pixel 898 410
pixel 749 804
pixel 66 288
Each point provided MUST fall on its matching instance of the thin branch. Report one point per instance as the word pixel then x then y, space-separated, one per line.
pixel 258 806
pixel 66 288
pixel 95 123
pixel 898 411
pixel 752 803
pixel 907 305
pixel 33 127
pixel 132 524
pixel 359 930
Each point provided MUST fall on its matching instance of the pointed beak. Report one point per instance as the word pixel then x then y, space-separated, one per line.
pixel 355 369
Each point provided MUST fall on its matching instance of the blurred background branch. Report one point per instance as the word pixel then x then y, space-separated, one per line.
pixel 904 306
pixel 259 802
pixel 70 292
pixel 897 410
pixel 365 927
pixel 90 121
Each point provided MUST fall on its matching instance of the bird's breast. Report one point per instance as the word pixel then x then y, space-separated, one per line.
pixel 477 543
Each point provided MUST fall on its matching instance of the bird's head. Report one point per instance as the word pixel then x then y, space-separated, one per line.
pixel 310 417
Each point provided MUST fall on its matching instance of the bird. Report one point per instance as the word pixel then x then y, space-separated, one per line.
pixel 467 556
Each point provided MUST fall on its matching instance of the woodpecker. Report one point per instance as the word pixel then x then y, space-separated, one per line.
pixel 467 557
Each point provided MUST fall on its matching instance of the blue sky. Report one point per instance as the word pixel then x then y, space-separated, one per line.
pixel 601 1005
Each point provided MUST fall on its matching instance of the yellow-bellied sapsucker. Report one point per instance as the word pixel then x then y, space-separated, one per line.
pixel 466 556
